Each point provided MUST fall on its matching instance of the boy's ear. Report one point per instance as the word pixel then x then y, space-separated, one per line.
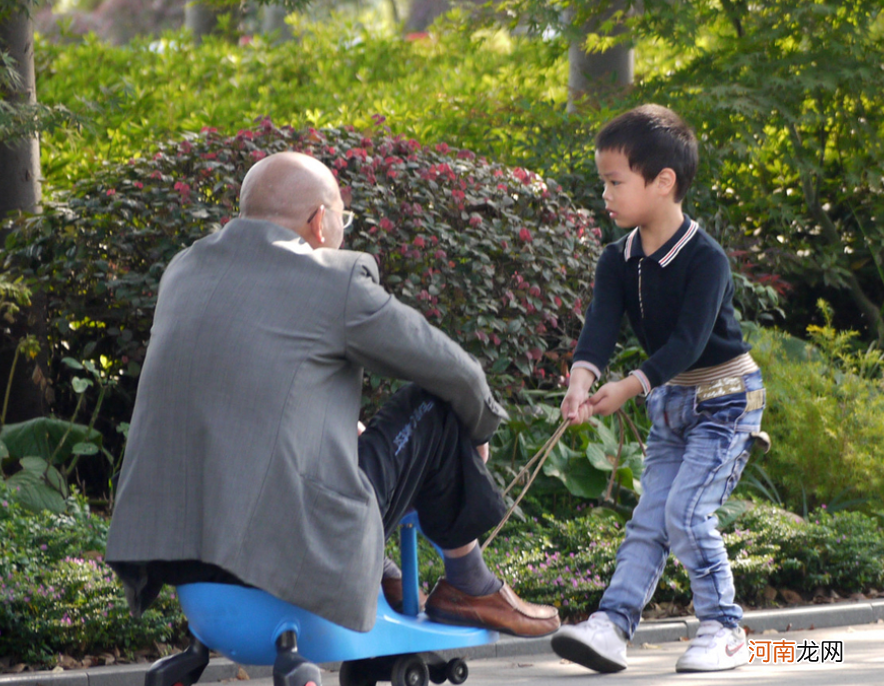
pixel 666 180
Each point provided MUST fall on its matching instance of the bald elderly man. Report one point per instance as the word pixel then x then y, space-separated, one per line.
pixel 244 463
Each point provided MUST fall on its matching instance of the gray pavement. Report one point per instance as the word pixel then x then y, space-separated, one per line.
pixel 862 652
pixel 858 626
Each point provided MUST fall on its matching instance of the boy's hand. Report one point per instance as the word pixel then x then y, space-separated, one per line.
pixel 612 396
pixel 576 406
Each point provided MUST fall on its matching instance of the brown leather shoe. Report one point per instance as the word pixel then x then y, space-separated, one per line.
pixel 392 589
pixel 502 611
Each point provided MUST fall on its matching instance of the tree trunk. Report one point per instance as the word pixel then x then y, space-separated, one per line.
pixel 19 159
pixel 200 19
pixel 273 22
pixel 599 73
pixel 20 192
pixel 423 13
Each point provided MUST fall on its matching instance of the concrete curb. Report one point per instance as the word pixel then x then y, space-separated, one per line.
pixel 652 631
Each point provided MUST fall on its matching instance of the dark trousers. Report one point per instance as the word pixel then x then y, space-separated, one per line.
pixel 417 454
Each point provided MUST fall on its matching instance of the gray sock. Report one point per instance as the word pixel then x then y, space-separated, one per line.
pixel 471 575
pixel 391 571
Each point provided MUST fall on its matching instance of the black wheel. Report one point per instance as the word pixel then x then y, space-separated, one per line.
pixel 353 673
pixel 410 670
pixel 457 671
pixel 439 673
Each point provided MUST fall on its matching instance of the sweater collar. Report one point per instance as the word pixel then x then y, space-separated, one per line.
pixel 669 250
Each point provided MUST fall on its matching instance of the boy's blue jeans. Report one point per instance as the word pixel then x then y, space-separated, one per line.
pixel 695 455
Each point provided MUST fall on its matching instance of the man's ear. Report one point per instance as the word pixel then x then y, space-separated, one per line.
pixel 315 226
pixel 666 181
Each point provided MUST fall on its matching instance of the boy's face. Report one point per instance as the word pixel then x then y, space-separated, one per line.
pixel 629 200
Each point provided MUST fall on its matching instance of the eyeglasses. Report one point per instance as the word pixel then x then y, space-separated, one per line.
pixel 346 215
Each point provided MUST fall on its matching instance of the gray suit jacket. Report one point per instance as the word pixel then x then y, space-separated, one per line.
pixel 242 450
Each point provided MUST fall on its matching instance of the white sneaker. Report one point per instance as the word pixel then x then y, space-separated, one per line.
pixel 597 644
pixel 715 649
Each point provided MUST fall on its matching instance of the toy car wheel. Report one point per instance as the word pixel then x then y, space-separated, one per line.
pixel 457 671
pixel 353 674
pixel 439 673
pixel 410 670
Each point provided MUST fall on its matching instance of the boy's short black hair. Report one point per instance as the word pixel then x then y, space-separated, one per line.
pixel 653 137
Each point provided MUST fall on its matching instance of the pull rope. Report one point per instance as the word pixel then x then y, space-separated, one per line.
pixel 544 452
pixel 541 454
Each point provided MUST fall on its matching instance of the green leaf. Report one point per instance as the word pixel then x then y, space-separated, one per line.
pixel 84 449
pixel 4 451
pixel 625 477
pixel 578 475
pixel 80 385
pixel 71 362
pixel 39 437
pixel 34 464
pixel 34 494
pixel 731 511
pixel 598 458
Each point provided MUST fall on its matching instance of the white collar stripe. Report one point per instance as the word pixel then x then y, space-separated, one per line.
pixel 629 241
pixel 673 253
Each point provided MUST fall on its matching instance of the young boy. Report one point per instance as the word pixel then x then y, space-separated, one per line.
pixel 705 396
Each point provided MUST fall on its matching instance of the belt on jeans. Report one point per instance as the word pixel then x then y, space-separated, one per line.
pixel 727 386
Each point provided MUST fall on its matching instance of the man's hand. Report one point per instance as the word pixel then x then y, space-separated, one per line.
pixel 576 406
pixel 360 427
pixel 483 452
pixel 612 396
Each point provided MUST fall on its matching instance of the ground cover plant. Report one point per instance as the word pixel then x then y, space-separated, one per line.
pixel 58 600
pixel 61 605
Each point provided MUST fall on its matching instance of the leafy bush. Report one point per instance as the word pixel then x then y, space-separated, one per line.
pixel 452 86
pixel 842 551
pixel 58 597
pixel 494 256
pixel 825 416
pixel 568 561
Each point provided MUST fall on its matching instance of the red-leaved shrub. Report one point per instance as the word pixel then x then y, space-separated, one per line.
pixel 497 257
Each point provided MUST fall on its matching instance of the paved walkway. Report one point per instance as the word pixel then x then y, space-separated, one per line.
pixel 861 652
pixel 858 626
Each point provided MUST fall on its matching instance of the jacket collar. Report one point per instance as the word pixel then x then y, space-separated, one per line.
pixel 669 251
pixel 284 238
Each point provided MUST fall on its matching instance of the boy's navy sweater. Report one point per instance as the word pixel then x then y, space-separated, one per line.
pixel 679 302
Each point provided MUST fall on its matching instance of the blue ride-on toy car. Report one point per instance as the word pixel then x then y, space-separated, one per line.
pixel 249 626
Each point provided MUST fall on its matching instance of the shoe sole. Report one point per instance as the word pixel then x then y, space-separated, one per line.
pixel 457 620
pixel 695 670
pixel 580 653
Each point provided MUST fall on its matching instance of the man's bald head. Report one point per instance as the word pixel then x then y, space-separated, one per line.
pixel 287 189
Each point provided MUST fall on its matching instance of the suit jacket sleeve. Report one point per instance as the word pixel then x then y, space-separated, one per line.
pixel 392 339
